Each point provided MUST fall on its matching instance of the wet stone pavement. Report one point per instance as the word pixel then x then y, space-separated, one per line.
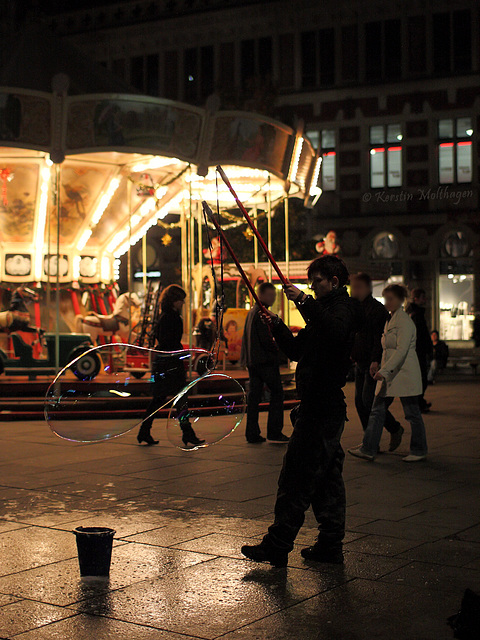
pixel 412 545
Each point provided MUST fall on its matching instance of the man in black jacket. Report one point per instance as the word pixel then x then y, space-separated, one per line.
pixel 416 310
pixel 313 463
pixel 367 355
pixel 260 355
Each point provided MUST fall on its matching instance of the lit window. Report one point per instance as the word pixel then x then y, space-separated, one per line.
pixel 455 158
pixel 314 137
pixel 386 162
pixel 329 170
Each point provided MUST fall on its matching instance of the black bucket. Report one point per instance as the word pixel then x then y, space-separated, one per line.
pixel 94 546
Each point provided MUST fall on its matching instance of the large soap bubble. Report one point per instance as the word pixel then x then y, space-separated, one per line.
pixel 212 406
pixel 114 402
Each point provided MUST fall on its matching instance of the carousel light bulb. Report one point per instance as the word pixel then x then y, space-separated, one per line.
pixel 296 159
pixel 316 173
pixel 84 239
pixel 41 221
pixel 76 267
pixel 105 201
pixel 157 162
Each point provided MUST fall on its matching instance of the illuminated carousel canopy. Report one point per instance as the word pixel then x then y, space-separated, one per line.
pixel 97 170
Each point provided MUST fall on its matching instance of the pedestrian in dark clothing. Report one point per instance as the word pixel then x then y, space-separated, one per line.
pixel 440 356
pixel 312 467
pixel 260 356
pixel 168 370
pixel 416 310
pixel 367 355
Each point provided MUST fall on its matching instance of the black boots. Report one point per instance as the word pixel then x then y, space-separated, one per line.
pixel 322 553
pixel 265 553
pixel 144 435
pixel 189 436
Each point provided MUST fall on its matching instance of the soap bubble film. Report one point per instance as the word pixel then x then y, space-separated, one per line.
pixel 212 407
pixel 105 392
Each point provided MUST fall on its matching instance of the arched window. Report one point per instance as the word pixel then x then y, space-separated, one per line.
pixel 385 245
pixel 456 245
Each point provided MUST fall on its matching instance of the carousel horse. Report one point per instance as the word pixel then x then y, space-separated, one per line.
pixel 116 323
pixel 17 318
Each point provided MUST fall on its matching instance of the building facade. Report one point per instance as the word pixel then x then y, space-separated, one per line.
pixel 389 93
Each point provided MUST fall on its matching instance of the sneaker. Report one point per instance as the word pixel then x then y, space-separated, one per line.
pixel 256 440
pixel 281 438
pixel 359 453
pixel 263 553
pixel 396 439
pixel 412 458
pixel 318 553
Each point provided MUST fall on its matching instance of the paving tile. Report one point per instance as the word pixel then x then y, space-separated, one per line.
pixel 25 548
pixel 436 577
pixel 381 545
pixel 455 553
pixel 357 610
pixel 210 599
pixel 405 530
pixel 24 615
pixel 7 599
pixel 60 583
pixel 84 627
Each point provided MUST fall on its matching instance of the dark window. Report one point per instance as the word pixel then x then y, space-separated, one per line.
pixel 136 72
pixel 286 44
pixel 393 49
pixel 265 58
pixel 171 75
pixel 327 56
pixel 441 42
pixel 247 60
pixel 190 74
pixel 152 75
pixel 118 67
pixel 350 53
pixel 308 45
pixel 462 41
pixel 373 50
pixel 417 44
pixel 207 71
pixel 226 64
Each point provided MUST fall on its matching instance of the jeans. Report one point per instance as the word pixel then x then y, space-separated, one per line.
pixel 364 396
pixel 261 375
pixel 311 476
pixel 371 438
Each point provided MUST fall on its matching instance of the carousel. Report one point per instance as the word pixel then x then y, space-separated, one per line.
pixel 83 178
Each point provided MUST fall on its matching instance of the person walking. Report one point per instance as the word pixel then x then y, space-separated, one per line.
pixel 399 376
pixel 424 348
pixel 260 356
pixel 168 370
pixel 367 353
pixel 313 463
pixel 440 357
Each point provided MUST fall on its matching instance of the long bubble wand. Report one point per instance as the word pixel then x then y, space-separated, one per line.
pixel 252 226
pixel 209 213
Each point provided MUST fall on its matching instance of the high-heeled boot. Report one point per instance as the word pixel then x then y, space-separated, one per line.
pixel 145 436
pixel 189 436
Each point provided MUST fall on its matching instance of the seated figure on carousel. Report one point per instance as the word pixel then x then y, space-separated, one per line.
pixel 17 317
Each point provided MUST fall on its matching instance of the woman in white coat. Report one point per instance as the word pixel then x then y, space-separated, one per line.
pixel 398 377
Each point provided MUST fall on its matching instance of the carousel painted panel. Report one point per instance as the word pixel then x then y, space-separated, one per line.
pixel 135 123
pixel 19 184
pixel 82 186
pixel 244 140
pixel 25 119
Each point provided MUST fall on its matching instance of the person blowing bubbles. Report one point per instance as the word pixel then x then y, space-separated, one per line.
pixel 312 467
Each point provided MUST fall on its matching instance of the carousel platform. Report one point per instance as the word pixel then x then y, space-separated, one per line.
pixel 22 399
